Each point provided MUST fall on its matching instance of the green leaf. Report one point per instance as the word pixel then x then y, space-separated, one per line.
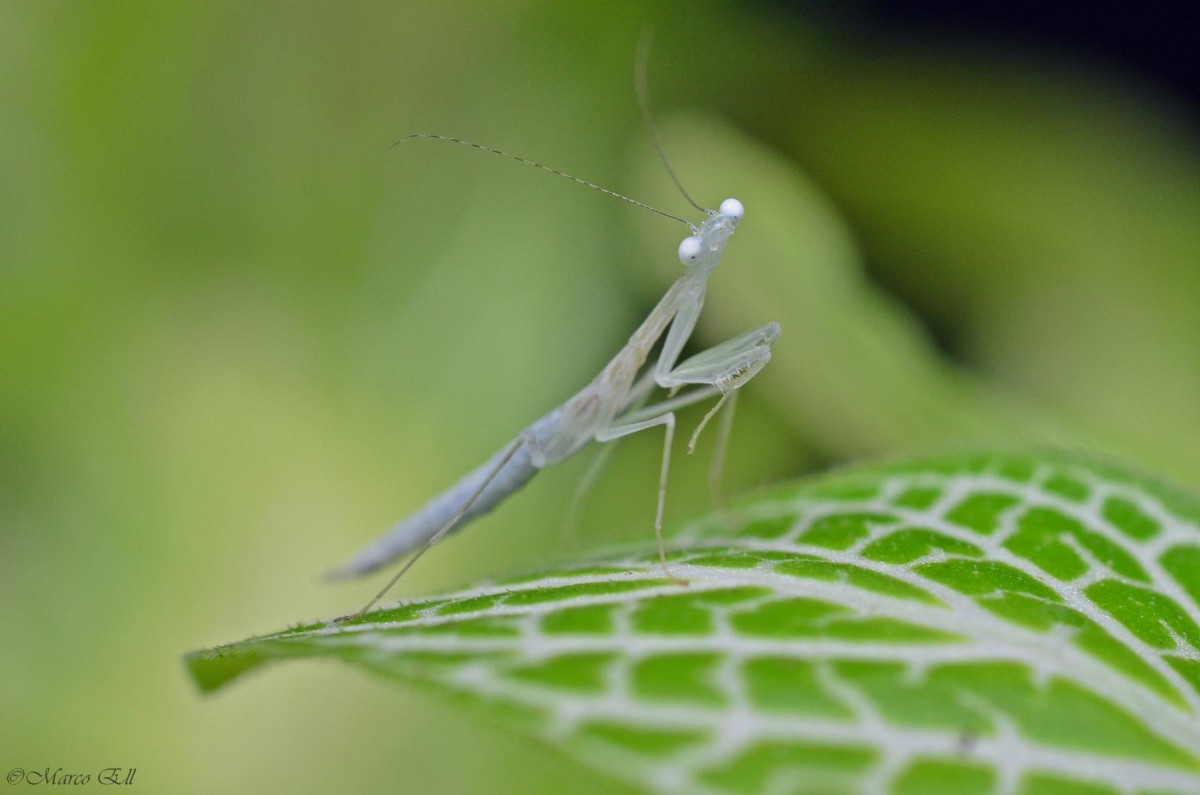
pixel 989 623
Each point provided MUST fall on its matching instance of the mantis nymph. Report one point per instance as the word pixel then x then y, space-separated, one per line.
pixel 608 408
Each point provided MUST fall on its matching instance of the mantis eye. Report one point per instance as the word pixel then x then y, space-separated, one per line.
pixel 732 208
pixel 690 250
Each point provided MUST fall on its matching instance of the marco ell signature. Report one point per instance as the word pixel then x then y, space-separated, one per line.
pixel 109 776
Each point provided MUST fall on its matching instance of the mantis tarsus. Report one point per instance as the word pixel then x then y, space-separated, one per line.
pixel 608 408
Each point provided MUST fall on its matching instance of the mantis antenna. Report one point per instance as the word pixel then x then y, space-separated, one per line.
pixel 643 94
pixel 555 171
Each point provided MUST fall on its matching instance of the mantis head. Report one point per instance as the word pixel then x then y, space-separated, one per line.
pixel 712 233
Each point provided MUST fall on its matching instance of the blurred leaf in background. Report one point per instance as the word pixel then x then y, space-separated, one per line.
pixel 238 336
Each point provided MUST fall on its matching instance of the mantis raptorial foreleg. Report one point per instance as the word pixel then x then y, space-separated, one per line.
pixel 724 367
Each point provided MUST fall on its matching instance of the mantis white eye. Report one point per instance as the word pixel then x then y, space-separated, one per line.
pixel 690 250
pixel 732 208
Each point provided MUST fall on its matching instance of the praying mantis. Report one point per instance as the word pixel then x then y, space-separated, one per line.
pixel 610 407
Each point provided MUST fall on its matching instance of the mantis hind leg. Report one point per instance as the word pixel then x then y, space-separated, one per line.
pixel 586 484
pixel 525 439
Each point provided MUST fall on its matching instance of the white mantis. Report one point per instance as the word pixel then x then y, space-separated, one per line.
pixel 608 408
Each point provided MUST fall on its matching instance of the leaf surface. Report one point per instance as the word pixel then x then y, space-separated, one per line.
pixel 992 623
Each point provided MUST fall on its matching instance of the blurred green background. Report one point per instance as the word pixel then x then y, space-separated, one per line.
pixel 239 336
